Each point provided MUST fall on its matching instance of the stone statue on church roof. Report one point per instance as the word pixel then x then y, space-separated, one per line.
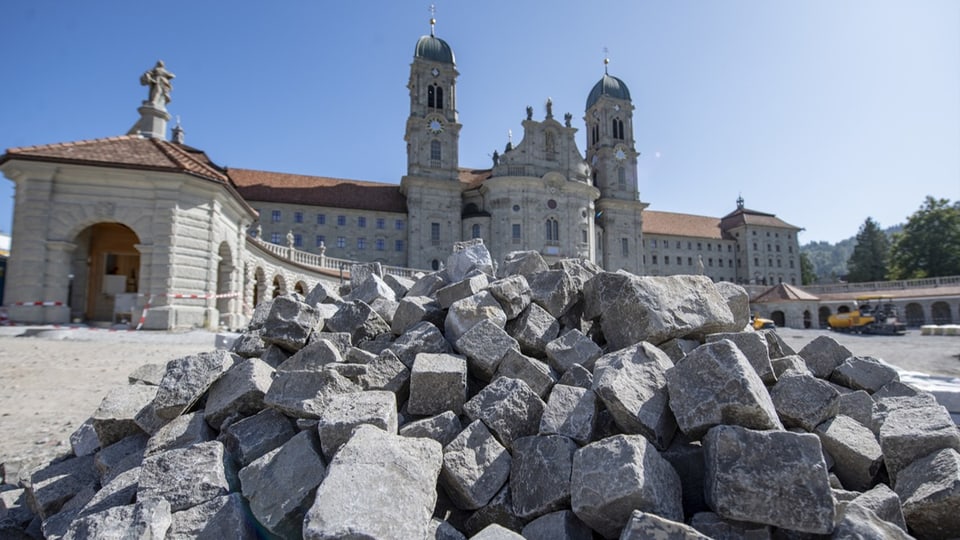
pixel 158 79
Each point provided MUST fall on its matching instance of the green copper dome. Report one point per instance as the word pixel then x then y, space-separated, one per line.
pixel 608 86
pixel 435 49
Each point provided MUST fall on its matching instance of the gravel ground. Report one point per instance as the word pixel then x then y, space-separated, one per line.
pixel 52 380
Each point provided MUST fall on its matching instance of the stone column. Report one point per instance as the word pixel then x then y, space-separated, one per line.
pixel 56 281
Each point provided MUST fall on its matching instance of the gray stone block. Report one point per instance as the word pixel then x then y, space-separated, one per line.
pixel 313 356
pixel 422 337
pixel 274 356
pixel 344 412
pixel 181 432
pixel 561 525
pixel 120 456
pixel 498 511
pixel 386 372
pixel 496 532
pixel 290 323
pixel 398 476
pixel 718 528
pixel 372 288
pixel 854 449
pixel 659 308
pixel 475 467
pixel 84 440
pixel 855 521
pixel 303 394
pixel 359 320
pixel 577 376
pixel 738 300
pixel 53 485
pixel 911 433
pixel 677 348
pixel 279 486
pixel 187 379
pixel 823 355
pixel 466 313
pixel 120 491
pixel 459 290
pixel 930 490
pixel 248 439
pixel 773 477
pixel 533 329
pixel 615 476
pixel 864 373
pixel 238 392
pixel 399 284
pixel 775 344
pixel 643 525
pixel 429 284
pixel 859 406
pixel 468 257
pixel 220 517
pixel 508 407
pixel 687 459
pixel 571 412
pixel 247 345
pixel 115 418
pixel 513 294
pixel 632 383
pixel 414 309
pixel 539 376
pixel 572 348
pixel 438 383
pixel 714 385
pixel 442 530
pixel 322 293
pixel 525 263
pixel 790 364
pixel 885 503
pixel 754 348
pixel 187 476
pixel 485 345
pixel 149 374
pixel 540 474
pixel 442 428
pixel 149 518
pixel 556 291
pixel 803 401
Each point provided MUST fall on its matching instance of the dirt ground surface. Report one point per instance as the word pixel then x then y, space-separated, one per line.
pixel 52 380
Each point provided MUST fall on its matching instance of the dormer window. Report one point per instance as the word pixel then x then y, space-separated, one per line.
pixel 434 97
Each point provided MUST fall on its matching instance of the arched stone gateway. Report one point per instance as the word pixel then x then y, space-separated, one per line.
pixel 779 318
pixel 914 314
pixel 940 313
pixel 843 309
pixel 807 319
pixel 823 315
pixel 103 282
pixel 300 288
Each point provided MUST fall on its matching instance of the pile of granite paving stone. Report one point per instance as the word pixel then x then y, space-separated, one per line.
pixel 518 400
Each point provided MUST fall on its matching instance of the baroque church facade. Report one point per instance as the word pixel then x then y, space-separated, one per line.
pixel 542 194
pixel 159 223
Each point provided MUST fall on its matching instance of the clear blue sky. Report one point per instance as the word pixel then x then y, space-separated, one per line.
pixel 823 112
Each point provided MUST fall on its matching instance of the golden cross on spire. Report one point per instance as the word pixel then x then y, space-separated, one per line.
pixel 606 60
pixel 433 19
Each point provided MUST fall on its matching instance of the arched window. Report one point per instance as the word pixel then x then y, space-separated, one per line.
pixel 621 178
pixel 436 154
pixel 617 128
pixel 434 97
pixel 596 133
pixel 475 231
pixel 553 231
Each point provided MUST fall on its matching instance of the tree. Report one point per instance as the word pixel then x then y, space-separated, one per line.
pixel 808 274
pixel 929 245
pixel 868 262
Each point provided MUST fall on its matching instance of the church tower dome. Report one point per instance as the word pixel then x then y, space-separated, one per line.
pixel 434 49
pixel 609 86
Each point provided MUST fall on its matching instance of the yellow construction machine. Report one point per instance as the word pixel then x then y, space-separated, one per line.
pixel 759 323
pixel 875 314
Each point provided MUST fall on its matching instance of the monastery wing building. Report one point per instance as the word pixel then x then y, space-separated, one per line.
pixel 157 220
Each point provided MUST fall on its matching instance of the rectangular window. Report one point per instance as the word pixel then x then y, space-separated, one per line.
pixel 381 223
pixel 720 262
pixel 710 262
pixel 275 216
pixel 770 263
pixel 361 243
pixel 653 243
pixel 779 263
pixel 654 259
pixel 756 261
pixel 689 245
pixel 625 247
pixel 678 244
pixel 275 238
pixel 321 219
pixel 361 222
pixel 398 224
pixel 298 240
pixel 398 245
pixel 777 248
pixel 435 233
pixel 666 259
pixel 341 242
pixel 321 240
pixel 699 246
pixel 689 261
pixel 516 233
pixel 380 244
pixel 341 221
pixel 791 263
pixel 584 234
pixel 709 247
pixel 298 217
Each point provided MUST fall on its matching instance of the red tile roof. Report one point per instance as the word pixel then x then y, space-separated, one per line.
pixel 781 292
pixel 471 178
pixel 288 188
pixel 673 224
pixel 745 216
pixel 125 152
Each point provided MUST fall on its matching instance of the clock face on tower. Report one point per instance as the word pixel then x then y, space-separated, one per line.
pixel 435 126
pixel 619 154
pixel 435 72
